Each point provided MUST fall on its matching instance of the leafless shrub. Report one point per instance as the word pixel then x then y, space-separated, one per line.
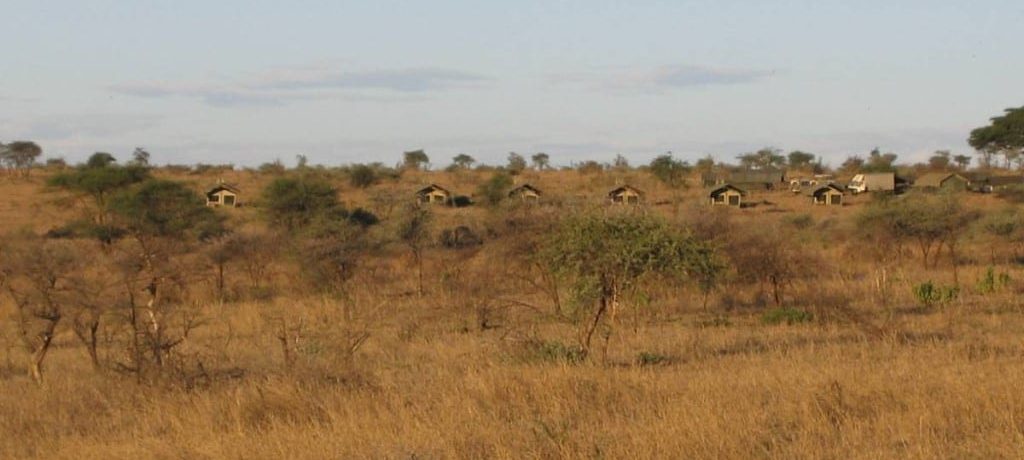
pixel 36 275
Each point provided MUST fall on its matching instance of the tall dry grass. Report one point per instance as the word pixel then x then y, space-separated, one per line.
pixel 873 376
pixel 733 391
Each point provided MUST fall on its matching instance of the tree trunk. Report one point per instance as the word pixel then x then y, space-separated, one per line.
pixel 613 310
pixel 588 333
pixel 220 282
pixel 776 290
pixel 952 256
pixel 87 334
pixel 38 352
pixel 419 272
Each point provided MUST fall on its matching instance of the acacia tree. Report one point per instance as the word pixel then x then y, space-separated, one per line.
pixel 1007 227
pixel 140 157
pixel 927 221
pixel 20 155
pixel 328 236
pixel 765 158
pixel 463 161
pixel 291 203
pixel 36 273
pixel 962 161
pixel 940 160
pixel 608 255
pixel 413 230
pixel 769 258
pixel 94 184
pixel 880 162
pixel 670 171
pixel 415 159
pixel 494 190
pixel 161 220
pixel 798 159
pixel 516 163
pixel 1003 136
pixel 541 161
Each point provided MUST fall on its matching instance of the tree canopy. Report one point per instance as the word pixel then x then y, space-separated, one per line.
pixel 765 158
pixel 1003 136
pixel 295 202
pixel 606 255
pixel 670 171
pixel 1005 132
pixel 879 162
pixel 463 161
pixel 540 161
pixel 799 159
pixel 97 181
pixel 20 155
pixel 163 208
pixel 516 163
pixel 415 159
pixel 493 191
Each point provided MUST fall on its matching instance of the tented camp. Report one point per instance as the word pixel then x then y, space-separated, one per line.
pixel 829 195
pixel 626 195
pixel 525 192
pixel 222 195
pixel 943 181
pixel 434 194
pixel 753 179
pixel 727 194
pixel 988 184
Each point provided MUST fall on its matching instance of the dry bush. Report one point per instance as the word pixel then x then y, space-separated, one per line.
pixel 485 362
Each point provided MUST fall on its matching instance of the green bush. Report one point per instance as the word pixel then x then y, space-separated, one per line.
pixel 495 189
pixel 788 315
pixel 553 351
pixel 362 176
pixel 993 282
pixel 670 171
pixel 929 294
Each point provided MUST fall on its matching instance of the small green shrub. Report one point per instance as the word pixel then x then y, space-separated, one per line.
pixel 494 190
pixel 928 294
pixel 993 282
pixel 788 315
pixel 362 176
pixel 553 351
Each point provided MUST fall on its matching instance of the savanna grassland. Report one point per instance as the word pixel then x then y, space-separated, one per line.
pixel 817 332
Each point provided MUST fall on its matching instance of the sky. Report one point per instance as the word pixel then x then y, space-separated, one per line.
pixel 248 82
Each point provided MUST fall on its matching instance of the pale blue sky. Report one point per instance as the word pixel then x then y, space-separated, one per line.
pixel 343 81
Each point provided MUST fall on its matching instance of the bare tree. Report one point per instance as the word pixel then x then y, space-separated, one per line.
pixel 36 274
pixel 413 231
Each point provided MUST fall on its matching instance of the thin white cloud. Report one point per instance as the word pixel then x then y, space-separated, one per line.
pixel 686 76
pixel 215 95
pixel 61 127
pixel 281 86
pixel 401 80
pixel 664 78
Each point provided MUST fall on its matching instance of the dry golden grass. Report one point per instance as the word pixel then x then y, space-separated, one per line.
pixel 738 391
pixel 676 382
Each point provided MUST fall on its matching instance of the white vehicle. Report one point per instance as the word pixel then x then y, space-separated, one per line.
pixel 796 185
pixel 872 182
